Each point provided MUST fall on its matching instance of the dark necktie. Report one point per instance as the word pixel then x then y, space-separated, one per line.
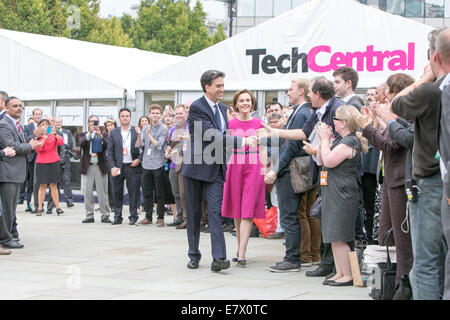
pixel 219 120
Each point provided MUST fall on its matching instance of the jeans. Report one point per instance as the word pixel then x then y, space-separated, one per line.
pixel 445 212
pixel 428 241
pixel 288 204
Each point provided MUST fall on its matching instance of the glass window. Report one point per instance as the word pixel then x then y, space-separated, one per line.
pixel 296 3
pixel 434 8
pixel 45 106
pixel 264 8
pixel 246 8
pixel 395 6
pixel 447 8
pixel 281 6
pixel 414 8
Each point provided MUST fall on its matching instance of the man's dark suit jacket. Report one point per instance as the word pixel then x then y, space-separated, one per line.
pixel 115 148
pixel 201 119
pixel 327 118
pixel 28 132
pixel 290 149
pixel 86 153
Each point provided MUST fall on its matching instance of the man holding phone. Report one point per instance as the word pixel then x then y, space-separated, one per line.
pixel 94 166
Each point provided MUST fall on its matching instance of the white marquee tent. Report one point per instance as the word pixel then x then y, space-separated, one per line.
pixel 308 41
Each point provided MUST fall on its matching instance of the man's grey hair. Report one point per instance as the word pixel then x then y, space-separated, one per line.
pixel 4 96
pixel 443 45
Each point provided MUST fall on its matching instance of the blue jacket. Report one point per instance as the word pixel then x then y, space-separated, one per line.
pixel 205 157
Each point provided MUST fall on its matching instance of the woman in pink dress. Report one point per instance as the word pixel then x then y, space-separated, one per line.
pixel 244 189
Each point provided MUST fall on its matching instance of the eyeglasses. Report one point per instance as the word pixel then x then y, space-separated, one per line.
pixel 17 106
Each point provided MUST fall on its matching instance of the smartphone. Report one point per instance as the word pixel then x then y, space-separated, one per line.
pixel 95 122
pixel 49 130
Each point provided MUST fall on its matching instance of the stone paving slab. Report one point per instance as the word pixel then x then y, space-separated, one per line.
pixel 65 259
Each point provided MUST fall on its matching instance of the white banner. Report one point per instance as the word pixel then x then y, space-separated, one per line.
pixel 104 113
pixel 71 116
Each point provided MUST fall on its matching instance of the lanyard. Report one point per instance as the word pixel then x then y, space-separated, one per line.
pixel 124 142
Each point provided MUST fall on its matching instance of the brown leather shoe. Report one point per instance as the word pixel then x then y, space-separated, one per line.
pixel 160 223
pixel 182 226
pixel 143 222
pixel 4 251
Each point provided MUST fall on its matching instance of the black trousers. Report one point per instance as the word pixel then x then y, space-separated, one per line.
pixel 369 189
pixel 132 176
pixel 214 195
pixel 153 180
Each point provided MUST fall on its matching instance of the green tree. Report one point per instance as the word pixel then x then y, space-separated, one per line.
pixel 33 16
pixel 170 27
pixel 93 28
pixel 219 35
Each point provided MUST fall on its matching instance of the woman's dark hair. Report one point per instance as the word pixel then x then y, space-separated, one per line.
pixel 238 94
pixel 139 122
pixel 42 121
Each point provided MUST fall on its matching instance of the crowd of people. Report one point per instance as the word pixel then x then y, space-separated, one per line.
pixel 214 166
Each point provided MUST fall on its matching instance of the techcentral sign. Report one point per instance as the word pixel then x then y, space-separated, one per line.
pixel 368 60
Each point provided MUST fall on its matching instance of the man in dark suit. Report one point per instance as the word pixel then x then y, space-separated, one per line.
pixel 31 187
pixel 66 164
pixel 288 200
pixel 206 171
pixel 13 171
pixel 124 160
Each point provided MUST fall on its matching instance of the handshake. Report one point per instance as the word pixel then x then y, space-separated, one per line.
pixel 264 132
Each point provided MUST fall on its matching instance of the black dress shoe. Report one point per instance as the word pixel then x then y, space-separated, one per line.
pixel 319 272
pixel 88 220
pixel 132 222
pixel 106 220
pixel 193 264
pixel 13 245
pixel 117 222
pixel 34 210
pixel 175 223
pixel 70 205
pixel 341 284
pixel 220 264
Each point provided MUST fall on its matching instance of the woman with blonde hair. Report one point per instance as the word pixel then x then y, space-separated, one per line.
pixel 340 192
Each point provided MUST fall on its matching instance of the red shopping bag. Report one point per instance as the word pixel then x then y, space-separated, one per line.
pixel 268 225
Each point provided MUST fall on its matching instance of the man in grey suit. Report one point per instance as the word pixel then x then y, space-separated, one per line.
pixel 14 168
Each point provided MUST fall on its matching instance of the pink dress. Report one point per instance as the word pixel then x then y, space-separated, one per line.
pixel 244 189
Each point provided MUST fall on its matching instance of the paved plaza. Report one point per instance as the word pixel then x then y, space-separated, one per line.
pixel 65 259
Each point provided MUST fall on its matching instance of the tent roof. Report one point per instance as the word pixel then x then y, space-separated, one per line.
pixel 350 31
pixel 71 68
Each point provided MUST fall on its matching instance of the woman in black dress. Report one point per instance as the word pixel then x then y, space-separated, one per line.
pixel 340 158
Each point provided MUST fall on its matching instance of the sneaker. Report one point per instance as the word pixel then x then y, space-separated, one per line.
pixel 285 266
pixel 175 223
pixel 305 264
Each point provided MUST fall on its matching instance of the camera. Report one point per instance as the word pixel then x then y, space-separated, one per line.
pixel 411 190
pixel 95 122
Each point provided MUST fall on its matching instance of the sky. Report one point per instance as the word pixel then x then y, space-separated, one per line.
pixel 214 9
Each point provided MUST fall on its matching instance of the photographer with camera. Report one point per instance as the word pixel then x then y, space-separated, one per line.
pixel 94 166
